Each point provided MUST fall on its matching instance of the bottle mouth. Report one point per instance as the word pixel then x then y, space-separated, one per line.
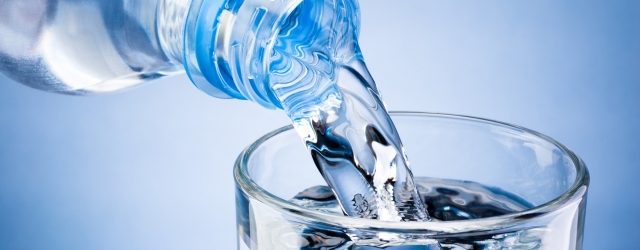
pixel 574 194
pixel 227 43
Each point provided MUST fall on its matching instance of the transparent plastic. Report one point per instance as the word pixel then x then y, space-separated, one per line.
pixel 100 46
pixel 90 47
pixel 534 167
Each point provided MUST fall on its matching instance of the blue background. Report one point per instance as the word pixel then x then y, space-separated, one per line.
pixel 151 168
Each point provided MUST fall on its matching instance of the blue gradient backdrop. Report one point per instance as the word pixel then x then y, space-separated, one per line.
pixel 150 168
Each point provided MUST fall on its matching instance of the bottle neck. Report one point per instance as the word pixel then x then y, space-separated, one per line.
pixel 226 46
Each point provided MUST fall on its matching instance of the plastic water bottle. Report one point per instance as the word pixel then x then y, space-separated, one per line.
pixel 97 46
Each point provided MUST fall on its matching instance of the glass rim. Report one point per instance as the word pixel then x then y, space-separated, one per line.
pixel 574 194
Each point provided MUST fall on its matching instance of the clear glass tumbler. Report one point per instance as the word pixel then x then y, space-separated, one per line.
pixel 490 161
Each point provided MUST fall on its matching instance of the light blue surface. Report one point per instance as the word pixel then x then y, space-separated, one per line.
pixel 151 168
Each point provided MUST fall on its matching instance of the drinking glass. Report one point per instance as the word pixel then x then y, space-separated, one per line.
pixel 501 157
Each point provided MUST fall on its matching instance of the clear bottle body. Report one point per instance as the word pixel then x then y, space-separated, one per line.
pixel 88 47
pixel 98 46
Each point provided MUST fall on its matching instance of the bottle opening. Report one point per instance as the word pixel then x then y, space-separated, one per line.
pixel 229 45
